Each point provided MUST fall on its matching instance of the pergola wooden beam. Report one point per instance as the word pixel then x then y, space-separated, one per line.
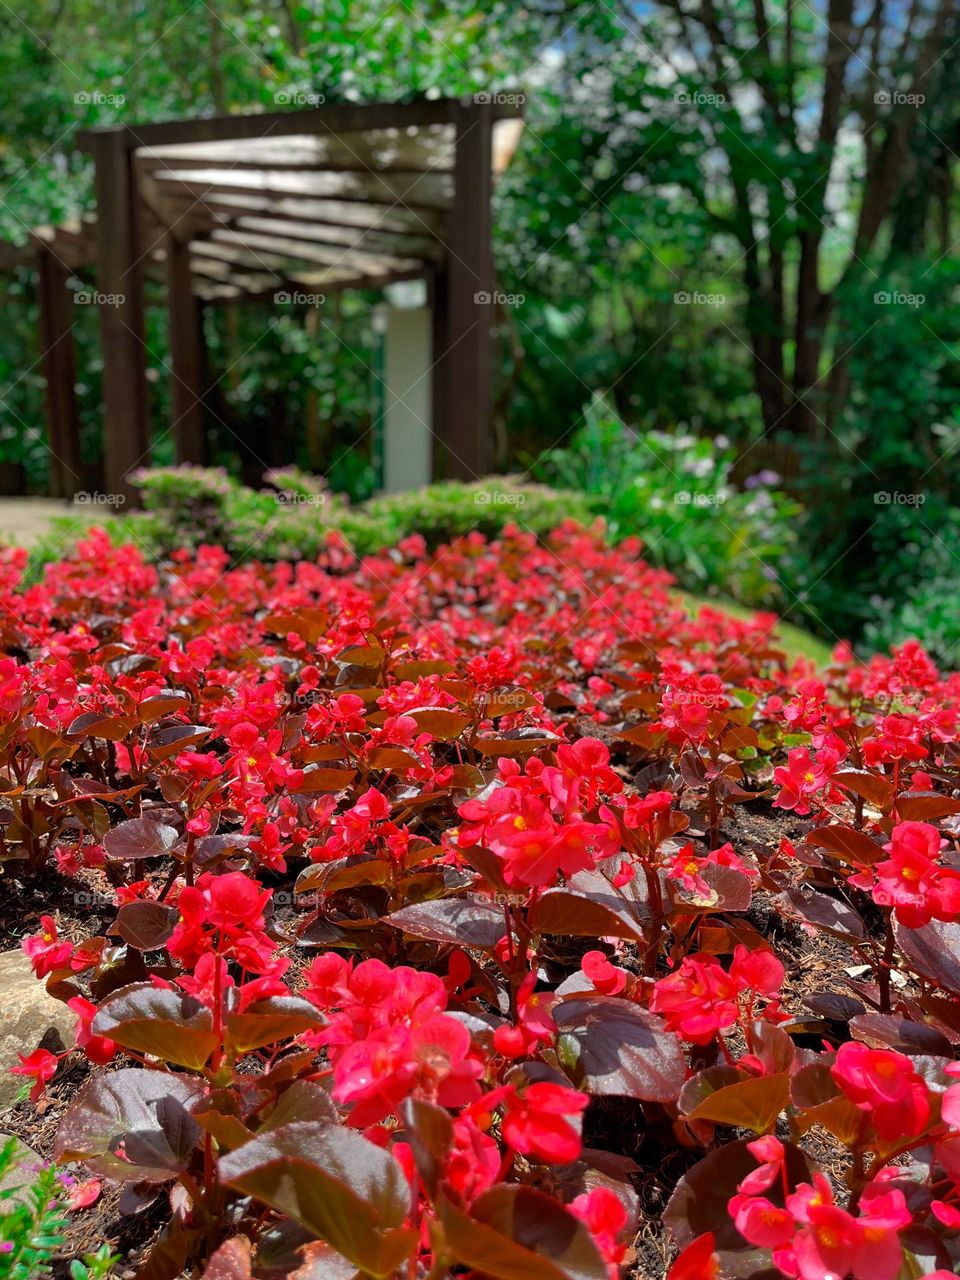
pixel 462 396
pixel 384 219
pixel 126 419
pixel 56 313
pixel 421 150
pixel 428 192
pixel 337 118
pixel 370 241
pixel 187 347
pixel 288 247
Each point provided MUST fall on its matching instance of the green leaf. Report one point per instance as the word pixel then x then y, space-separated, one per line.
pixel 439 723
pixel 146 925
pixel 747 1104
pixel 231 1261
pixel 430 1134
pixel 934 952
pixel 925 806
pixel 592 909
pixel 303 1101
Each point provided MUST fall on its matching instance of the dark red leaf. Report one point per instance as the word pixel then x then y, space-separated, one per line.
pixel 613 1047
pixel 341 1187
pixel 139 838
pixel 149 1107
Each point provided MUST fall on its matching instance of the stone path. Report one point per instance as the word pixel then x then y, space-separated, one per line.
pixel 25 520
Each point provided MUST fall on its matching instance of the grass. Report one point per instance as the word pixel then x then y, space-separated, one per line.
pixel 796 642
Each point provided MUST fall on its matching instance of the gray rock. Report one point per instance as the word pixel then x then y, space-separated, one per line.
pixel 27 1016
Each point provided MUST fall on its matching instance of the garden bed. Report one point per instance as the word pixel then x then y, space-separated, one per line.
pixel 478 910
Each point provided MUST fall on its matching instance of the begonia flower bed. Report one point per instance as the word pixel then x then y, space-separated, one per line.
pixel 481 913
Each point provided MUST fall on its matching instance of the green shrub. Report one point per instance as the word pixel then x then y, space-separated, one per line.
pixel 719 541
pixel 293 519
pixel 916 582
pixel 32 1220
pixel 674 490
pixel 444 511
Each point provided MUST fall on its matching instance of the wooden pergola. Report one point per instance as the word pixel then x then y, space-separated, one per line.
pixel 240 207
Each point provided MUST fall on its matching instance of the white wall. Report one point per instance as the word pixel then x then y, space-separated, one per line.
pixel 407 439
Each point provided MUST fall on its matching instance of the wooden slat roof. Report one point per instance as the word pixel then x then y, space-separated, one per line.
pixel 332 198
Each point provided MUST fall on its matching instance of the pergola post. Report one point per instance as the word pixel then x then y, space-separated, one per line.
pixel 59 373
pixel 186 355
pixel 463 303
pixel 120 287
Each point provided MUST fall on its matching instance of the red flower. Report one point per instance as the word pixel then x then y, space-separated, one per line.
pixel 40 1067
pixel 898 739
pixel 698 1261
pixel 686 869
pixel 725 857
pixel 538 1122
pixel 762 1222
pixel 83 1194
pixel 701 998
pixel 769 1151
pixel 760 970
pixel 518 825
pixel 812 1238
pixel 473 1162
pixel 832 1243
pixel 534 1025
pixel 606 977
pixel 98 1049
pixel 911 881
pixel 803 776
pixel 606 1218
pixel 45 949
pixel 698 1000
pixel 388 1038
pixel 885 1085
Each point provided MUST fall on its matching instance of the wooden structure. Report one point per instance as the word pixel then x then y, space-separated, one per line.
pixel 234 207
